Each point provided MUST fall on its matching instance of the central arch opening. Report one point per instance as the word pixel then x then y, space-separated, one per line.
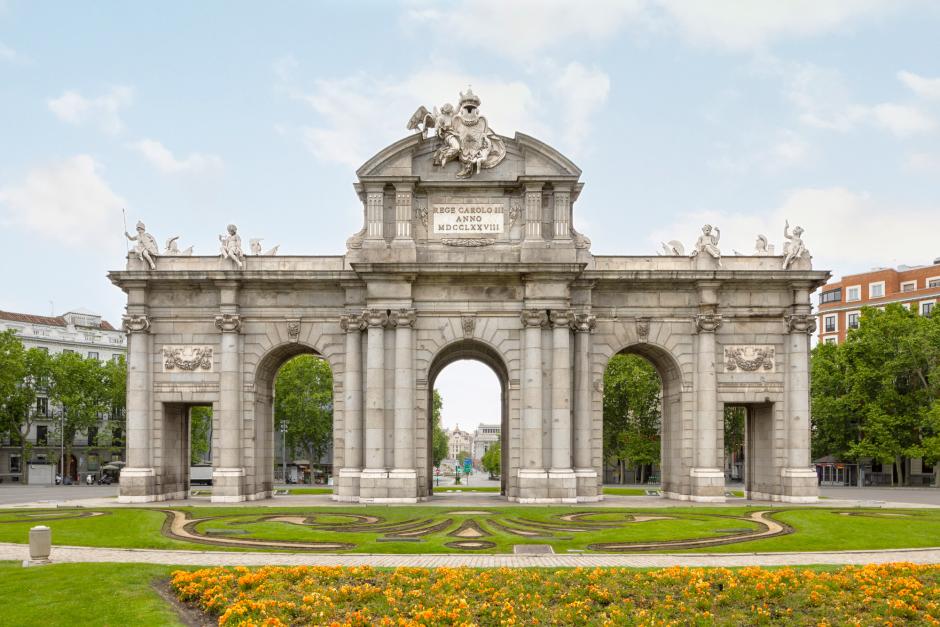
pixel 469 396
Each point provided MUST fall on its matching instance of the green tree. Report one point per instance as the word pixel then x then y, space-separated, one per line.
pixel 632 414
pixel 734 429
pixel 22 372
pixel 200 430
pixel 115 379
pixel 78 387
pixel 491 459
pixel 303 399
pixel 873 396
pixel 438 436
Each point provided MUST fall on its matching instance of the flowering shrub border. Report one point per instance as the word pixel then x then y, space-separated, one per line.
pixel 889 594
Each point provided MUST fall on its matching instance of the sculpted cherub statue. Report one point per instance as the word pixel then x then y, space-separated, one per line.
pixel 173 249
pixel 795 248
pixel 232 246
pixel 145 246
pixel 762 248
pixel 708 243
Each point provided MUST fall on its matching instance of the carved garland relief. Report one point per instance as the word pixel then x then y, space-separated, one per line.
pixel 749 358
pixel 187 358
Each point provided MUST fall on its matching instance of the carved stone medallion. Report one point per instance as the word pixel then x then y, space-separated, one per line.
pixel 293 330
pixel 136 324
pixel 643 329
pixel 178 358
pixel 468 323
pixel 749 358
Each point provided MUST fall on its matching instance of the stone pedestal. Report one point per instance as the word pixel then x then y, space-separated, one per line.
pixel 228 485
pixel 347 485
pixel 40 546
pixel 588 489
pixel 533 486
pixel 799 485
pixel 708 486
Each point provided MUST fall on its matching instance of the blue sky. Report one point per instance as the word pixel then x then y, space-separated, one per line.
pixel 193 115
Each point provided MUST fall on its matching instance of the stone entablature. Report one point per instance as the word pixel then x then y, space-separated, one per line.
pixel 533 304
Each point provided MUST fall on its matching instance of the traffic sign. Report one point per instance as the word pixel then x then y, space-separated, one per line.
pixel 467 465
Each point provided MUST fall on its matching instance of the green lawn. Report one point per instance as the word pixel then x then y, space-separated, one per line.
pixel 83 594
pixel 815 529
pixel 310 491
pixel 625 491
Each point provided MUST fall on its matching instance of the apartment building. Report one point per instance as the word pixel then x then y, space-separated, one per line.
pixel 840 303
pixel 79 331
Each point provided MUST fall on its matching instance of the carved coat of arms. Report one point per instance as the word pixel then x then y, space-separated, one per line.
pixel 465 135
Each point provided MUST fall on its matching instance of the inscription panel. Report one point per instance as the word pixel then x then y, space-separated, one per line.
pixel 450 219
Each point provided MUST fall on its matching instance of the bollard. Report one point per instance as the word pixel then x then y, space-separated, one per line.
pixel 40 545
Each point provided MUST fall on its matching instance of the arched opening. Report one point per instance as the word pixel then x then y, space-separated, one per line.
pixel 487 415
pixel 641 418
pixel 293 410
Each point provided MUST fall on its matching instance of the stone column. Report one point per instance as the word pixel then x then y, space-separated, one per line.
pixel 403 213
pixel 532 475
pixel 375 216
pixel 403 479
pixel 376 319
pixel 800 483
pixel 228 480
pixel 583 324
pixel 352 324
pixel 562 222
pixel 561 479
pixel 533 212
pixel 137 479
pixel 708 480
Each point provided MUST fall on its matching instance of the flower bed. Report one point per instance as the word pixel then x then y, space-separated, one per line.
pixel 307 595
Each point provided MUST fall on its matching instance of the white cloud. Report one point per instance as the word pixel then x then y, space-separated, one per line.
pixel 879 232
pixel 778 151
pixel 737 25
pixel 8 54
pixel 583 91
pixel 902 120
pixel 66 201
pixel 164 160
pixel 924 162
pixel 521 28
pixel 103 111
pixel 928 88
pixel 359 115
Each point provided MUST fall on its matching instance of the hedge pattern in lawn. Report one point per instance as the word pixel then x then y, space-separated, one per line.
pixel 854 595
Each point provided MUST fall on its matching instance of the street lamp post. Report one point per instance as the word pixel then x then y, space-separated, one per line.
pixel 284 451
pixel 62 444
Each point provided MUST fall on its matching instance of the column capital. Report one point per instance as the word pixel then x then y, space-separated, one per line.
pixel 135 323
pixel 561 317
pixel 584 322
pixel 707 322
pixel 800 323
pixel 352 322
pixel 534 317
pixel 375 317
pixel 404 318
pixel 228 322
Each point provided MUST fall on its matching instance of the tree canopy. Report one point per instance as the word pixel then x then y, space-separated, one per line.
pixel 491 459
pixel 303 400
pixel 632 413
pixel 876 395
pixel 438 436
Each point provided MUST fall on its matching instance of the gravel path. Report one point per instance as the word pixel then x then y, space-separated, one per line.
pixel 62 554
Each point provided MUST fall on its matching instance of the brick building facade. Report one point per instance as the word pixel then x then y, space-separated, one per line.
pixel 841 302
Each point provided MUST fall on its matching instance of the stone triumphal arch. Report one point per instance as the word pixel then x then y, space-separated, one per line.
pixel 468 250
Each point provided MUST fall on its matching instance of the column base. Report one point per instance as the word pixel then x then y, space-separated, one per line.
pixel 228 485
pixel 799 485
pixel 347 485
pixel 708 485
pixel 562 485
pixel 138 485
pixel 588 490
pixel 399 485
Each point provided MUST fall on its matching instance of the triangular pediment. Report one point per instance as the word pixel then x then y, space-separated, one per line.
pixel 412 157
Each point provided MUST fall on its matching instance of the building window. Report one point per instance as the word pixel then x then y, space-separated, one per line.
pixel 831 340
pixel 829 324
pixel 42 406
pixel 44 349
pixel 853 293
pixel 92 435
pixel 67 350
pixel 906 306
pixel 831 296
pixel 908 286
pixel 92 355
pixel 926 467
pixel 14 463
pixel 876 290
pixel 116 358
pixel 851 320
pixel 934 282
pixel 42 435
pixel 926 308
